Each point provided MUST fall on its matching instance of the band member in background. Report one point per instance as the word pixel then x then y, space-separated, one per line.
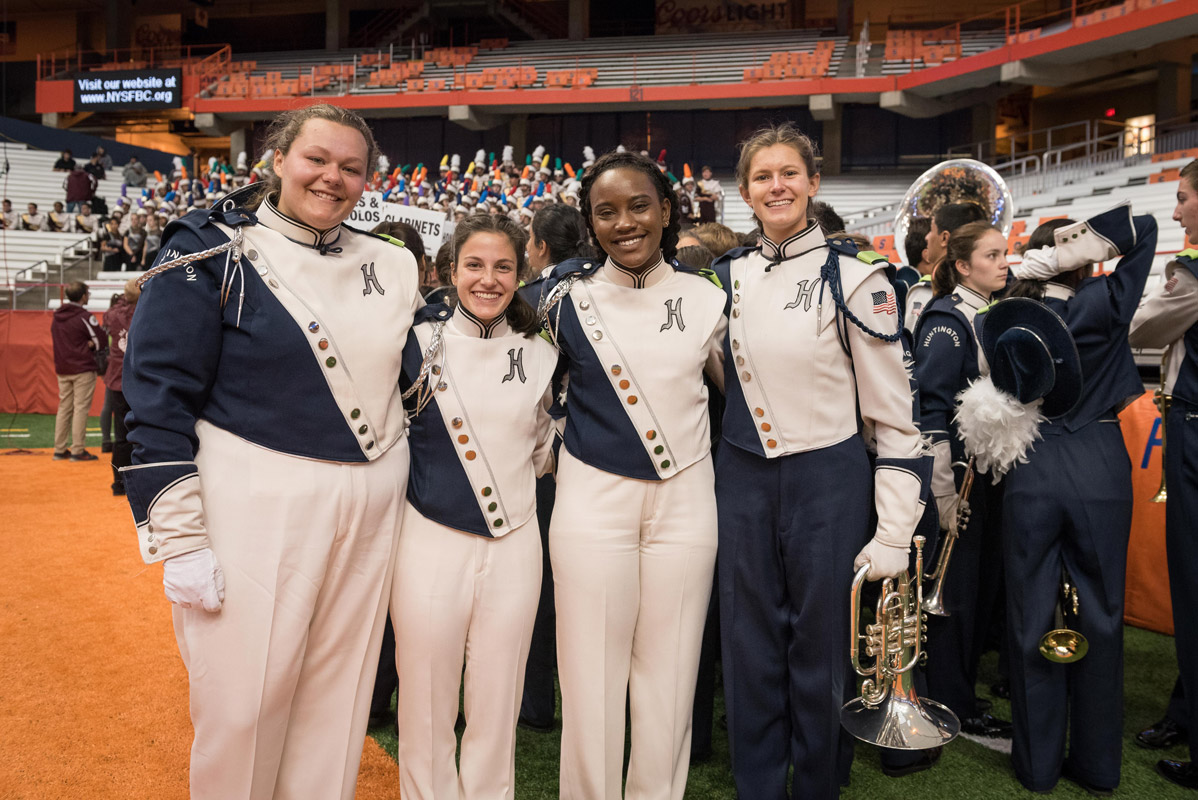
pixel 947 359
pixel 33 220
pixel 794 482
pixel 633 535
pixel 1169 318
pixel 915 248
pixel 1052 521
pixel 269 470
pixel 557 233
pixel 468 570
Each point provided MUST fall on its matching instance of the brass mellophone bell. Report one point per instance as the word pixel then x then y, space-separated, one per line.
pixel 1162 400
pixel 889 713
pixel 1063 645
pixel 933 603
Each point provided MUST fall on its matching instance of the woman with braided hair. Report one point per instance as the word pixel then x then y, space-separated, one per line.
pixel 633 534
pixel 814 369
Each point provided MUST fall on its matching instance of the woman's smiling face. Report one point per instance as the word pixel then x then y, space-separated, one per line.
pixel 779 189
pixel 323 175
pixel 628 217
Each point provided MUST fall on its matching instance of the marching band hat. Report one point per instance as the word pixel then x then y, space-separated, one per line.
pixel 1035 375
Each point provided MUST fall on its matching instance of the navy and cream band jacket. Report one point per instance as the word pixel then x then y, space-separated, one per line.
pixel 294 346
pixel 484 435
pixel 637 347
pixel 802 373
pixel 1169 318
pixel 947 360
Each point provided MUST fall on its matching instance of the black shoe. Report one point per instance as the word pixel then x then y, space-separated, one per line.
pixel 1183 773
pixel 83 456
pixel 986 725
pixel 982 704
pixel 63 456
pixel 1160 735
pixel 1001 689
pixel 106 447
pixel 1070 774
pixel 926 760
pixel 536 726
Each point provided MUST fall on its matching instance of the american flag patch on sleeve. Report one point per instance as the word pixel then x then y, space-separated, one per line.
pixel 883 302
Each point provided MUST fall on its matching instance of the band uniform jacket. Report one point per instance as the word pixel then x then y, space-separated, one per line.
pixel 638 346
pixel 485 435
pixel 296 347
pixel 800 375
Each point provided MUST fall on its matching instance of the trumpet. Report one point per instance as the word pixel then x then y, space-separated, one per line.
pixel 934 602
pixel 889 713
pixel 1063 645
pixel 1163 401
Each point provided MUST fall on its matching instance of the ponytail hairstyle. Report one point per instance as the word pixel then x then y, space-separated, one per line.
pixel 521 316
pixel 564 230
pixel 639 163
pixel 961 245
pixel 1042 236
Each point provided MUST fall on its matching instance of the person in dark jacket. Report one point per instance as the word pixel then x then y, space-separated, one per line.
pixel 117 321
pixel 76 336
pixel 81 188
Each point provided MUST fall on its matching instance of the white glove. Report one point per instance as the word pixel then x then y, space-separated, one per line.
pixel 194 579
pixel 951 513
pixel 885 560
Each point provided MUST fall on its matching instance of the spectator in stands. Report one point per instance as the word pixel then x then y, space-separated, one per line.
pixel 135 173
pixel 57 220
pixel 711 188
pixel 65 163
pixel 94 168
pixel 85 221
pixel 8 218
pixel 154 228
pixel 76 337
pixel 134 243
pixel 117 321
pixel 112 246
pixel 80 186
pixel 105 160
pixel 32 219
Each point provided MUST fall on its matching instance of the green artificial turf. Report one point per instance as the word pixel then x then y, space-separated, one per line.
pixel 967 770
pixel 19 431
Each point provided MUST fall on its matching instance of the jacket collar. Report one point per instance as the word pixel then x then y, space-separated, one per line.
pixel 806 240
pixel 298 232
pixel 1058 291
pixel 467 324
pixel 634 279
pixel 970 298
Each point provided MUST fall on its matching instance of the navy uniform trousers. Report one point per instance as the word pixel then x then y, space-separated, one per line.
pixel 1181 544
pixel 1070 504
pixel 789 529
pixel 538 706
pixel 972 588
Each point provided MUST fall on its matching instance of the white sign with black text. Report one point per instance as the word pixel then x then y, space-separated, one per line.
pixel 432 225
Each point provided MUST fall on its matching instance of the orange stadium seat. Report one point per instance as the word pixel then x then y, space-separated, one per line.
pixel 1165 176
pixel 885 246
pixel 1176 154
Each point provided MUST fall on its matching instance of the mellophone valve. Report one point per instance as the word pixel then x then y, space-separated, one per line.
pixel 889 713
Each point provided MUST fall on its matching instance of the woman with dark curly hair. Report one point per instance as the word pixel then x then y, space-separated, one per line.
pixel 633 535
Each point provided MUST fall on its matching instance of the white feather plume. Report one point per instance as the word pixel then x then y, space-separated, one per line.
pixel 537 154
pixel 384 164
pixel 620 148
pixel 480 158
pixel 508 153
pixel 588 153
pixel 996 428
pixel 455 163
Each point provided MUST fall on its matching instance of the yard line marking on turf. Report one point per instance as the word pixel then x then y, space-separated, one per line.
pixel 1001 745
pixel 14 435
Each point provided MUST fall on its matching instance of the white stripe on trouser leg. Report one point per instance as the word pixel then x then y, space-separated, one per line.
pixel 281 676
pixel 461 598
pixel 632 569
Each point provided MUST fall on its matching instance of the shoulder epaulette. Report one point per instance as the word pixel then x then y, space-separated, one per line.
pixel 1189 254
pixel 871 257
pixel 435 312
pixel 382 237
pixel 843 246
pixel 576 266
pixel 704 272
pixel 732 255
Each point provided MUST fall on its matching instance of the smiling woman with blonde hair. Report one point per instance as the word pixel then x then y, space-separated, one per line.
pixel 270 460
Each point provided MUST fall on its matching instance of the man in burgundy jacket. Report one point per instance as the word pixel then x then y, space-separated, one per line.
pixel 76 336
pixel 80 187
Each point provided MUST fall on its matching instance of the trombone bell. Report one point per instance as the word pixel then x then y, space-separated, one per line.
pixel 1063 646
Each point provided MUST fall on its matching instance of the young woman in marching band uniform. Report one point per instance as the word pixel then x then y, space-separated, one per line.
pixel 1169 318
pixel 947 359
pixel 270 461
pixel 468 570
pixel 1053 519
pixel 633 535
pixel 813 346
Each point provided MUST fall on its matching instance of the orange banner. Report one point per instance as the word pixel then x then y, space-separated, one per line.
pixel 1147 603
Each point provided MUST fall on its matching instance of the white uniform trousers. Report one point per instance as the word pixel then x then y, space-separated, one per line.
pixel 632 574
pixel 281 676
pixel 461 598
